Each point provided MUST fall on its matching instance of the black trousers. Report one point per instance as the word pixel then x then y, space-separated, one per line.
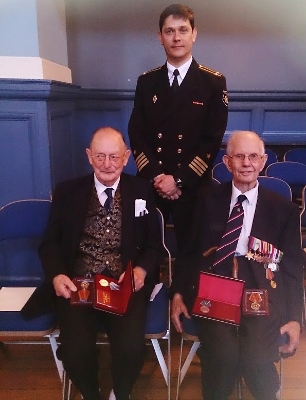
pixel 79 326
pixel 250 351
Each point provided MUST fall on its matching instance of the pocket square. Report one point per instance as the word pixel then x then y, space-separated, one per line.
pixel 140 208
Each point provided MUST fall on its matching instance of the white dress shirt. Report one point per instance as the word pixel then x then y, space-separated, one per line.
pixel 249 206
pixel 182 70
pixel 100 188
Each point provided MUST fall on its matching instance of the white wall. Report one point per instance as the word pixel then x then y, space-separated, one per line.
pixel 258 45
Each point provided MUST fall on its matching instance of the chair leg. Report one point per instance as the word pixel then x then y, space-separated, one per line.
pixel 160 359
pixel 66 393
pixel 54 347
pixel 189 359
pixel 183 369
pixel 179 370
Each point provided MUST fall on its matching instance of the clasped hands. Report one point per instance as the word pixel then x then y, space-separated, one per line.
pixel 165 186
pixel 63 285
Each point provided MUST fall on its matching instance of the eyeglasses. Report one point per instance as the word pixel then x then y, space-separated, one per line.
pixel 253 158
pixel 112 158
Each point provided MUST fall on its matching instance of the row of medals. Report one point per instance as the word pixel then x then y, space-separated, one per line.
pixel 270 265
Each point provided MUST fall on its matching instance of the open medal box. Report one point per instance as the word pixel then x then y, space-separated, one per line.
pixel 112 297
pixel 104 293
pixel 219 298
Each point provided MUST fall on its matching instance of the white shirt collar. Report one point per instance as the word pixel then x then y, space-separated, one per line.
pixel 100 187
pixel 251 194
pixel 182 70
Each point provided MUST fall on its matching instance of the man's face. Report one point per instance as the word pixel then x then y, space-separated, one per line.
pixel 246 160
pixel 177 37
pixel 107 155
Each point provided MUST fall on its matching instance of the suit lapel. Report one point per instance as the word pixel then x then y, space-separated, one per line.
pixel 128 211
pixel 81 206
pixel 190 84
pixel 165 103
pixel 218 210
pixel 261 217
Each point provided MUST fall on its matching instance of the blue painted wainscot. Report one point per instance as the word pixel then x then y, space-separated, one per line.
pixel 46 125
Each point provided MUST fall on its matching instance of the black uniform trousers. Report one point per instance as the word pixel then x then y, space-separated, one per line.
pixel 79 326
pixel 249 351
pixel 181 212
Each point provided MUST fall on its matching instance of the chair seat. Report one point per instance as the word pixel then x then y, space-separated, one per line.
pixel 19 263
pixel 12 322
pixel 157 314
pixel 190 329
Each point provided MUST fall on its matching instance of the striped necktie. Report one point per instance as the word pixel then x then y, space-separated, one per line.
pixel 108 201
pixel 226 250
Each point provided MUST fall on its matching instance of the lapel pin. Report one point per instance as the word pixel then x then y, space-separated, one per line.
pixel 154 99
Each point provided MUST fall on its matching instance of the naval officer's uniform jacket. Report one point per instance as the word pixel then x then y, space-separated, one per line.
pixel 178 135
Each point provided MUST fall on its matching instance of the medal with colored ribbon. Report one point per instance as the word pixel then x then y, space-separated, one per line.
pixel 265 253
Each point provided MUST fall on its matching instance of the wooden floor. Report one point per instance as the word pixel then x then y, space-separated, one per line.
pixel 28 372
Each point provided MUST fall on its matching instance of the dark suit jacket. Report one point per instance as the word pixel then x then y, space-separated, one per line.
pixel 180 137
pixel 141 236
pixel 276 221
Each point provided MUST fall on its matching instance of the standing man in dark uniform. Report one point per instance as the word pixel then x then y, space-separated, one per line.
pixel 178 120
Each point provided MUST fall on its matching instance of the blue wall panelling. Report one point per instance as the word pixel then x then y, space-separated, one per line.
pixel 45 127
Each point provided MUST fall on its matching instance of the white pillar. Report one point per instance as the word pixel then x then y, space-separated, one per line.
pixel 33 41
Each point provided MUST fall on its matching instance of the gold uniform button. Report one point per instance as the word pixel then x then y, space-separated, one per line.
pixel 160 162
pixel 179 165
pixel 180 137
pixel 160 135
pixel 179 151
pixel 159 149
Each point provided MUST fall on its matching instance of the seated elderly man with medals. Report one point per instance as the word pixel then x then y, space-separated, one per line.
pixel 102 223
pixel 244 252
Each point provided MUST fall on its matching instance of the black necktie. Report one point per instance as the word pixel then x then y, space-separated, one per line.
pixel 175 84
pixel 226 249
pixel 108 201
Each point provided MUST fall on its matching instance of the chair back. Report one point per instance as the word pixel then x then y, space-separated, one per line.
pixel 272 157
pixel 293 173
pixel 24 219
pixel 277 185
pixel 221 173
pixel 22 224
pixel 296 155
pixel 303 212
pixel 167 251
pixel 219 157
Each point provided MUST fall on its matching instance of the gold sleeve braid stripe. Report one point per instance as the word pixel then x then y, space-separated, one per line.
pixel 141 161
pixel 198 166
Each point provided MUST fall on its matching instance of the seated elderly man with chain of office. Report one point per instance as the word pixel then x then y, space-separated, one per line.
pixel 92 231
pixel 263 250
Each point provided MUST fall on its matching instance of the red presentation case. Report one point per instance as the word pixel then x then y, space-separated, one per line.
pixel 110 300
pixel 222 296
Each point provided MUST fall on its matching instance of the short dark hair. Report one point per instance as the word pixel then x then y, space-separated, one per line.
pixel 178 11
